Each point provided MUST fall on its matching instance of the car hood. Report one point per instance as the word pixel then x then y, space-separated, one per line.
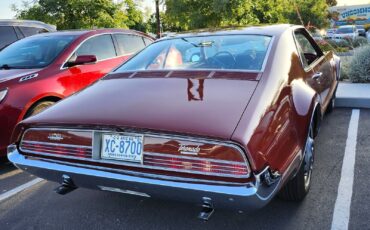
pixel 208 107
pixel 6 75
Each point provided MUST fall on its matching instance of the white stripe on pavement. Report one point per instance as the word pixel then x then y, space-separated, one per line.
pixel 342 206
pixel 19 189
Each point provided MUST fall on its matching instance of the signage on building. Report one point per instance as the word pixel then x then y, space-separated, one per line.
pixel 350 15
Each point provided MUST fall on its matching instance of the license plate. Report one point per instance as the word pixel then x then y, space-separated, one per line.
pixel 122 147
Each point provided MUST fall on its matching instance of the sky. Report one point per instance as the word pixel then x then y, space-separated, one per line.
pixel 7 13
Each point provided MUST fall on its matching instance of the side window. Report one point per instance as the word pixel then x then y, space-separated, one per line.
pixel 7 36
pixel 29 31
pixel 308 52
pixel 147 41
pixel 101 46
pixel 129 43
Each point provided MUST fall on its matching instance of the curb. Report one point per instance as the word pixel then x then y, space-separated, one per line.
pixel 353 95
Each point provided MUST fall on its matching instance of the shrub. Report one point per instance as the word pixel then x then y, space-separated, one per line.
pixel 360 41
pixel 325 45
pixel 359 69
pixel 344 67
pixel 344 43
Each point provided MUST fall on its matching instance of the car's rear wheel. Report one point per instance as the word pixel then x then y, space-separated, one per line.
pixel 297 188
pixel 39 107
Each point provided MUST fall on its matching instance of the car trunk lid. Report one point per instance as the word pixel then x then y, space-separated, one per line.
pixel 198 103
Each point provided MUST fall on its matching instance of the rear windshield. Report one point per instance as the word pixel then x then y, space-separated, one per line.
pixel 34 52
pixel 229 52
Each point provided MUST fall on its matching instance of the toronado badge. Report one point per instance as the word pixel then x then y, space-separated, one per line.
pixel 188 150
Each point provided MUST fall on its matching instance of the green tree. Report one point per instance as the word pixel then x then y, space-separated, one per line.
pixel 194 14
pixel 79 14
pixel 331 2
pixel 314 13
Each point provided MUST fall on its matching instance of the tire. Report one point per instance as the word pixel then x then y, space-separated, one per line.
pixel 298 187
pixel 38 108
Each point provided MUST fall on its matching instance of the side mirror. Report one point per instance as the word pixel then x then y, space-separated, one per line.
pixel 82 60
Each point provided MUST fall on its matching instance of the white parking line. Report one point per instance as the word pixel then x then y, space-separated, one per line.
pixel 342 206
pixel 19 189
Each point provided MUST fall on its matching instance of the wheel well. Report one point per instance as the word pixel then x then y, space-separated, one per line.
pixel 50 98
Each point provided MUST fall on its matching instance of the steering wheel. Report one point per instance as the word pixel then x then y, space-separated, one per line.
pixel 222 64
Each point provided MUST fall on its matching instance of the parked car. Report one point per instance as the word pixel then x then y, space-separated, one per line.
pixel 361 30
pixel 38 71
pixel 13 30
pixel 330 33
pixel 344 32
pixel 224 119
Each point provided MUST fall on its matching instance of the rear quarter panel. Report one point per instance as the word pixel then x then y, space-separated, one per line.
pixel 274 126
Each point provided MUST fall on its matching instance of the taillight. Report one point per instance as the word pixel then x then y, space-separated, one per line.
pixel 197 165
pixel 66 143
pixel 205 158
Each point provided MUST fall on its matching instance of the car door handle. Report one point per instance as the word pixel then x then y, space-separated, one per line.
pixel 317 75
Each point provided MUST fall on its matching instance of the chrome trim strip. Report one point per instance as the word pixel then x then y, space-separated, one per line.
pixel 55 144
pixel 197 168
pixel 51 151
pixel 193 158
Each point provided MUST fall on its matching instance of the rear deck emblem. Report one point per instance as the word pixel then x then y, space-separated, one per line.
pixel 55 137
pixel 189 150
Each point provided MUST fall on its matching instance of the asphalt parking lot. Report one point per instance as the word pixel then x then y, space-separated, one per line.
pixel 38 207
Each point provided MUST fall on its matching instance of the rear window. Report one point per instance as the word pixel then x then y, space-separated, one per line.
pixel 230 52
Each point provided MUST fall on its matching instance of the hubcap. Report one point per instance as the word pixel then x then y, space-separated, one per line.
pixel 309 159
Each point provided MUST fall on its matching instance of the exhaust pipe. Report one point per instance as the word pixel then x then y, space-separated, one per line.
pixel 67 185
pixel 207 209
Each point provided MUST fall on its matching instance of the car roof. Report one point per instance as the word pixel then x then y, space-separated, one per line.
pixel 92 32
pixel 29 23
pixel 268 30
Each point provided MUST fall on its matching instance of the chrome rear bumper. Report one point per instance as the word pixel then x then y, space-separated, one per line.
pixel 244 197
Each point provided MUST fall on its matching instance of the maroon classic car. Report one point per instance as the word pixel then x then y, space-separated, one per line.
pixel 225 119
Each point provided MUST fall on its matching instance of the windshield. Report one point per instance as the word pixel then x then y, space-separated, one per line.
pixel 34 52
pixel 233 52
pixel 360 27
pixel 345 30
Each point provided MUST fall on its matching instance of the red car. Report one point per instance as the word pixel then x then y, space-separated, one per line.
pixel 40 70
pixel 224 119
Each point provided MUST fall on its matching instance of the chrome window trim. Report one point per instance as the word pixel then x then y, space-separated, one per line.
pixel 145 134
pixel 311 66
pixel 266 58
pixel 62 67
